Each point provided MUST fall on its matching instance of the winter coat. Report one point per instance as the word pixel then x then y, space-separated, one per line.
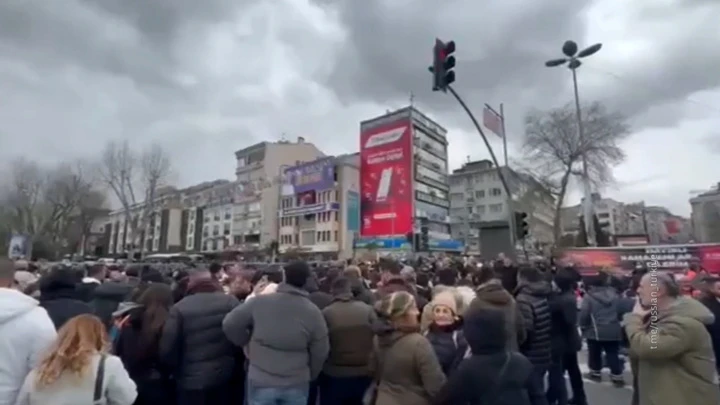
pixel 448 343
pixel 193 343
pixel 675 359
pixel 532 300
pixel 26 332
pixel 600 313
pixel 493 295
pixel 60 297
pixel 493 374
pixel 406 367
pixel 713 329
pixel 350 331
pixel 564 330
pixel 106 297
pixel 142 361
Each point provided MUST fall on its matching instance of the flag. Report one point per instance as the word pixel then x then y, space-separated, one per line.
pixel 493 121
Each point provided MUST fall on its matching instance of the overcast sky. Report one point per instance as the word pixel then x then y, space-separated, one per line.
pixel 208 77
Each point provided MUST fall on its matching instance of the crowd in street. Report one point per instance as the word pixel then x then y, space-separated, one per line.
pixel 380 333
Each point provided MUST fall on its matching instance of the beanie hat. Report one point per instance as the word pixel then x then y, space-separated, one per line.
pixel 446 299
pixel 395 305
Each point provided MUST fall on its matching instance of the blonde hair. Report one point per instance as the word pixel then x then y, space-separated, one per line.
pixel 77 342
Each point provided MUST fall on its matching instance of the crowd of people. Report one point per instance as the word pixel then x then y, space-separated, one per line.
pixel 382 333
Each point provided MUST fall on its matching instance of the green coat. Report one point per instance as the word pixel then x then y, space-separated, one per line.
pixel 674 353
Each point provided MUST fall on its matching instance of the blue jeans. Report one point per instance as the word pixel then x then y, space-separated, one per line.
pixel 292 395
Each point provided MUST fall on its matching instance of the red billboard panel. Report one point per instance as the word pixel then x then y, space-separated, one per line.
pixel 386 180
pixel 625 259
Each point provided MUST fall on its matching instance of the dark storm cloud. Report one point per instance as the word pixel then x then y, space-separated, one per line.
pixel 501 48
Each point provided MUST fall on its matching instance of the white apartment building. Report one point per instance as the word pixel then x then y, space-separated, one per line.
pixel 259 178
pixel 477 196
pixel 323 222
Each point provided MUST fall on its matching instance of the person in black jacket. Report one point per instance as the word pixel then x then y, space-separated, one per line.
pixel 106 298
pixel 493 374
pixel 531 296
pixel 565 342
pixel 194 345
pixel 138 346
pixel 60 297
pixel 709 298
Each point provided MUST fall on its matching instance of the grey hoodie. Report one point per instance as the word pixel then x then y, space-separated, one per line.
pixel 600 313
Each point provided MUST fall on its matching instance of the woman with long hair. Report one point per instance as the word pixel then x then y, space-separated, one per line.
pixel 403 364
pixel 78 370
pixel 138 344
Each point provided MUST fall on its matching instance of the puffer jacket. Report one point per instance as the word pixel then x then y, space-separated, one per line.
pixel 60 297
pixel 532 300
pixel 600 313
pixel 193 343
pixel 448 343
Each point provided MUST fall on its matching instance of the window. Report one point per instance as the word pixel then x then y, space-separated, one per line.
pixel 335 237
pixel 432 160
pixel 422 136
pixel 495 192
pixel 254 207
pixel 216 216
pixel 228 214
pixel 431 174
pixel 241 162
pixel 206 231
pixel 480 194
pixel 190 243
pixel 216 230
pixel 191 214
pixel 431 191
pixel 496 208
pixel 226 229
pixel 480 209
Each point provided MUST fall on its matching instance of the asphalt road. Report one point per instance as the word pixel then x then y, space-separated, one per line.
pixel 604 392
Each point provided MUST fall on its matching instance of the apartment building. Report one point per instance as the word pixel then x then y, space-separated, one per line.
pixel 259 176
pixel 477 198
pixel 207 215
pixel 320 207
pixel 705 216
pixel 159 232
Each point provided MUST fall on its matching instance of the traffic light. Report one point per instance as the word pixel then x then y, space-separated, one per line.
pixel 521 225
pixel 443 64
pixel 424 239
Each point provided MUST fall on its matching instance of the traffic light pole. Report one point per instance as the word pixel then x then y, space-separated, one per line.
pixel 511 211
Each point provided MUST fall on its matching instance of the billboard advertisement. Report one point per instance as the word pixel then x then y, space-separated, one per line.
pixel 386 179
pixel 310 176
pixel 663 257
pixel 353 211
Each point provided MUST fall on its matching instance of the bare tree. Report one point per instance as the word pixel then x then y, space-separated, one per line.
pixel 134 178
pixel 39 202
pixel 553 150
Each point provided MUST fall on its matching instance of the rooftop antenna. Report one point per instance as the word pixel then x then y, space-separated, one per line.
pixel 282 137
pixel 412 99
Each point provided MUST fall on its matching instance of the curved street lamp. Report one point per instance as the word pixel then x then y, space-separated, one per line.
pixel 572 59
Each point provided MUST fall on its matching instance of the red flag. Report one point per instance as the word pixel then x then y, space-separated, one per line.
pixel 493 121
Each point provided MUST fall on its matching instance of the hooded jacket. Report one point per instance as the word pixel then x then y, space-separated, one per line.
pixel 107 297
pixel 406 367
pixel 600 312
pixel 674 355
pixel 26 331
pixel 532 301
pixel 493 295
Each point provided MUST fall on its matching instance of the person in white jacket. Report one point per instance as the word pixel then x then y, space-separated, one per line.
pixel 78 370
pixel 26 331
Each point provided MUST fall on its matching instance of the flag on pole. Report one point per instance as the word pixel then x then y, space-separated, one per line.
pixel 493 121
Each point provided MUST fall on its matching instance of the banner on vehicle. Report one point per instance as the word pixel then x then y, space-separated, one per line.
pixel 660 257
pixel 385 179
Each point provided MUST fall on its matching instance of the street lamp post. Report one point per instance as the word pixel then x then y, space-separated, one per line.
pixel 572 59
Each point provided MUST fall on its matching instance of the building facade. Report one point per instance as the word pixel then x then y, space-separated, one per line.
pixel 705 216
pixel 404 182
pixel 477 198
pixel 319 208
pixel 259 173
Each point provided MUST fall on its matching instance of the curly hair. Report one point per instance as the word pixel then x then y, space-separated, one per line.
pixel 77 342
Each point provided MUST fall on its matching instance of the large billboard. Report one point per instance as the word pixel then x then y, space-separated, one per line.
pixel 353 211
pixel 386 179
pixel 661 257
pixel 310 176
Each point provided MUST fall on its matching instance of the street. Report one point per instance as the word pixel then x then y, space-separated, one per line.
pixel 604 392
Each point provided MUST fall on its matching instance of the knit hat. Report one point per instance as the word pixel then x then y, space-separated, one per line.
pixel 446 299
pixel 395 305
